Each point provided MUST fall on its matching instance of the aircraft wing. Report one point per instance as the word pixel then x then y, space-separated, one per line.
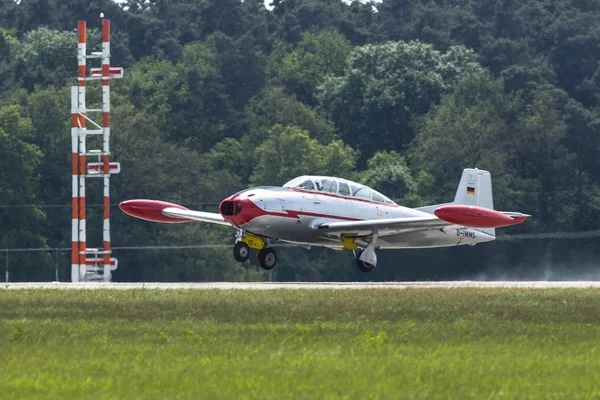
pixel 384 227
pixel 162 211
pixel 456 214
pixel 213 218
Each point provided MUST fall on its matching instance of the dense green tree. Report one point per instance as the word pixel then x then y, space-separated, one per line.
pixel 389 173
pixel 547 161
pixel 46 57
pixel 386 86
pixel 19 183
pixel 289 152
pixel 48 112
pixel 465 130
pixel 298 16
pixel 8 64
pixel 160 88
pixel 273 106
pixel 305 68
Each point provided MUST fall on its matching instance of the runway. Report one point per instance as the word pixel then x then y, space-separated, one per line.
pixel 296 285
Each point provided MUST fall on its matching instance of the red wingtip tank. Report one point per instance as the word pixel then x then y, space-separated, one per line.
pixel 151 210
pixel 477 217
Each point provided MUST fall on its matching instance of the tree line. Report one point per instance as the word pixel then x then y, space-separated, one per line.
pixel 220 95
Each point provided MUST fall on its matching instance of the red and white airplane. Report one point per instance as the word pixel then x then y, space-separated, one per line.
pixel 341 214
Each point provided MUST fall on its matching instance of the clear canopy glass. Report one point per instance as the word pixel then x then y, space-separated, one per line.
pixel 341 187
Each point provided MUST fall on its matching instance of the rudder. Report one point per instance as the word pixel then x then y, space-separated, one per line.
pixel 475 189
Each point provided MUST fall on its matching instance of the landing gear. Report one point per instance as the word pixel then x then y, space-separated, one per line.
pixel 245 241
pixel 241 251
pixel 362 265
pixel 267 258
pixel 367 259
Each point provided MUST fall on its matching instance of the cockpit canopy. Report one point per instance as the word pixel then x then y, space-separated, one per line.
pixel 341 187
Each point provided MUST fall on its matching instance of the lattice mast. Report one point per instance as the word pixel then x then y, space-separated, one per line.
pixel 84 268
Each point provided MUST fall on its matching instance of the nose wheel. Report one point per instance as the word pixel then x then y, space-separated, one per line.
pixel 267 258
pixel 241 251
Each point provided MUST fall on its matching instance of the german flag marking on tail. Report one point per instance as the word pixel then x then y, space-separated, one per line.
pixel 470 190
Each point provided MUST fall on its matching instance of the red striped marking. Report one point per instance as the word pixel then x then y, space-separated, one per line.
pixel 82 248
pixel 107 165
pixel 81 117
pixel 105 30
pixel 74 164
pixel 74 252
pixel 106 257
pixel 74 209
pixel 93 261
pixel 81 207
pixel 250 211
pixel 81 31
pixel 106 207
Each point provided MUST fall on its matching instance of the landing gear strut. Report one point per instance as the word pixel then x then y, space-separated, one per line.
pixel 366 259
pixel 267 258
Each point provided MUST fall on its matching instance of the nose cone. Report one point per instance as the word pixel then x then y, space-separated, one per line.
pixel 238 210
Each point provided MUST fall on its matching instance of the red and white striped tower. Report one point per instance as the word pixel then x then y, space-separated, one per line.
pixel 106 137
pixel 74 186
pixel 81 78
pixel 81 169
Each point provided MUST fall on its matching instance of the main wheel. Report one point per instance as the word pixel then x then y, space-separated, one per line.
pixel 241 251
pixel 267 258
pixel 363 266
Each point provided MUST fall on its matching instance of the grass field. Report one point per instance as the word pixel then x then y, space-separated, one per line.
pixel 293 344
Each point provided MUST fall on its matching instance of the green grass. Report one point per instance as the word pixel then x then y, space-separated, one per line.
pixel 292 344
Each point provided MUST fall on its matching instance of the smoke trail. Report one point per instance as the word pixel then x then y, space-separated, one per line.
pixel 578 261
pixel 555 235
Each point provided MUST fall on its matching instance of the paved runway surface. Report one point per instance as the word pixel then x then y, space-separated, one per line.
pixel 297 285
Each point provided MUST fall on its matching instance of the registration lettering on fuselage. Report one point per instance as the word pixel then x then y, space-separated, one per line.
pixel 466 233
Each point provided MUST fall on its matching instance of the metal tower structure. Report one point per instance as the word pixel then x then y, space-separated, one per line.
pixel 91 263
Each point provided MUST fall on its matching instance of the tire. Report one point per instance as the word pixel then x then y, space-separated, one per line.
pixel 363 266
pixel 241 251
pixel 267 258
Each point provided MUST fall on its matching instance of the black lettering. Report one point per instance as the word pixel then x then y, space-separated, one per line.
pixel 466 233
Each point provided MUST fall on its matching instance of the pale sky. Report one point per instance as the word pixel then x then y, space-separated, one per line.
pixel 267 2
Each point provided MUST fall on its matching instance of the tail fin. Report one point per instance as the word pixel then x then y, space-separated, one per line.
pixel 475 189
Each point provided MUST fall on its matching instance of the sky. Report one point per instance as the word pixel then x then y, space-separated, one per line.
pixel 267 2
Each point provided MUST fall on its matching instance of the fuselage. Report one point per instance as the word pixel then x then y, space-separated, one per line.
pixel 289 214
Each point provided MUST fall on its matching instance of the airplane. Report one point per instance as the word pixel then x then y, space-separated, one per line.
pixel 341 214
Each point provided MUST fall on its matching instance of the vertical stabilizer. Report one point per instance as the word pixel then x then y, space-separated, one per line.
pixel 475 189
